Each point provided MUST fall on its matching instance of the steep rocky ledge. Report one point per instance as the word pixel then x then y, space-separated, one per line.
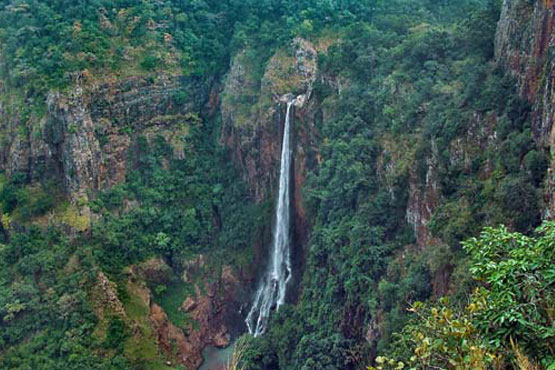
pixel 86 133
pixel 525 46
pixel 86 139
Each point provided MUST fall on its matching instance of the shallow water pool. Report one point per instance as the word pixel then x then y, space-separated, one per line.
pixel 216 358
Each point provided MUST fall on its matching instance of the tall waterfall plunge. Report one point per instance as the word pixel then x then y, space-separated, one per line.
pixel 271 292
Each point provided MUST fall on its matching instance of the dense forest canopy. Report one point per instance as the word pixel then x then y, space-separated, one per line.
pixel 411 103
pixel 44 41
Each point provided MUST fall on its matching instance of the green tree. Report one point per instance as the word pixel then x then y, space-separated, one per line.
pixel 510 317
pixel 518 276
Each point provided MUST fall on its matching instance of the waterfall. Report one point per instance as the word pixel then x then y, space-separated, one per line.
pixel 271 292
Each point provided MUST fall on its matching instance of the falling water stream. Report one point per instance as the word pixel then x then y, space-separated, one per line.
pixel 271 292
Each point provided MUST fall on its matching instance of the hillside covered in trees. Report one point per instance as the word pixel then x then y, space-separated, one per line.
pixel 140 152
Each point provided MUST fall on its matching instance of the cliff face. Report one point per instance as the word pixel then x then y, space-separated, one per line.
pixel 253 109
pixel 86 133
pixel 525 47
pixel 209 310
pixel 524 44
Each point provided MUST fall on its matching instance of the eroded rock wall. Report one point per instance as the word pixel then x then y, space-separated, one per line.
pixel 86 133
pixel 525 46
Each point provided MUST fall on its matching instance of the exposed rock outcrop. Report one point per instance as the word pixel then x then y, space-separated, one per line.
pixel 86 133
pixel 171 339
pixel 525 44
pixel 209 310
pixel 423 199
pixel 105 297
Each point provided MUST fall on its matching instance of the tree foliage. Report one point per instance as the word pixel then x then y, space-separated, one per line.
pixel 509 319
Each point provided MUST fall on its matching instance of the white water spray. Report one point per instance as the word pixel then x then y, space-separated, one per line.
pixel 271 292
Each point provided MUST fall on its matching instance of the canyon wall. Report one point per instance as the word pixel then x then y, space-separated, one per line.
pixel 525 47
pixel 84 138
